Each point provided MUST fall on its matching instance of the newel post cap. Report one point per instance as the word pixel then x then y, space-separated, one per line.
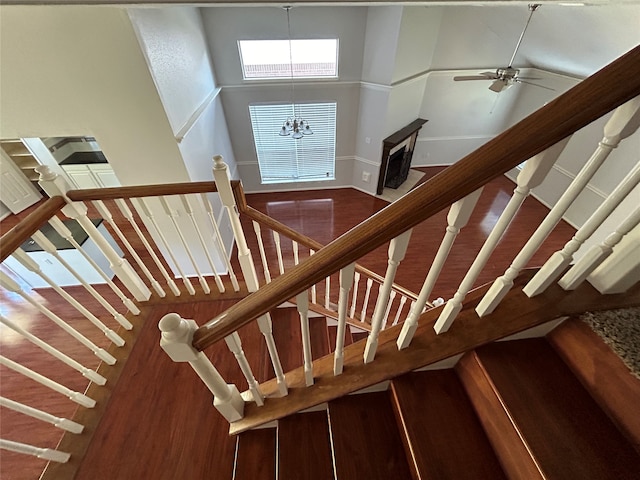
pixel 218 163
pixel 177 337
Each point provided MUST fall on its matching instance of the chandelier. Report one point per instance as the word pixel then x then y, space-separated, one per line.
pixel 295 126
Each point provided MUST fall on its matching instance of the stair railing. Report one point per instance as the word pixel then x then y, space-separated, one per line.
pixel 538 140
pixel 103 271
pixel 560 118
pixel 365 282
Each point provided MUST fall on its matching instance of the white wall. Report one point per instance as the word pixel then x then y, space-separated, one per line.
pixel 78 71
pixel 225 26
pixel 417 40
pixel 174 44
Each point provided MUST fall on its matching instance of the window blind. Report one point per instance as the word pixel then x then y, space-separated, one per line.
pixel 284 159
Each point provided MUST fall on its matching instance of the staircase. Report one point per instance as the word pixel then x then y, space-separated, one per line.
pixel 511 409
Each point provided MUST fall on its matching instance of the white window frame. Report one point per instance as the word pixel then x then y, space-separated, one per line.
pixel 283 159
pixel 285 67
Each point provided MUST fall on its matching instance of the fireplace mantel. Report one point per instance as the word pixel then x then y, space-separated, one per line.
pixel 409 132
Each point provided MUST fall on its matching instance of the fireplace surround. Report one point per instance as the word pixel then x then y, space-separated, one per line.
pixel 404 141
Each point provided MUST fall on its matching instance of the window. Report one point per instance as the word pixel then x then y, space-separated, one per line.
pixel 284 159
pixel 262 59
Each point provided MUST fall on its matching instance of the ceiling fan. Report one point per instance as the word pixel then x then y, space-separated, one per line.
pixel 504 77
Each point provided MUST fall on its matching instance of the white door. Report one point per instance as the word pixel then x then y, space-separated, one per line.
pixel 16 191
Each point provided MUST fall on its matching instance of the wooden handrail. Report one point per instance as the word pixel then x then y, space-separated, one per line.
pixel 308 242
pixel 27 227
pixel 137 191
pixel 584 103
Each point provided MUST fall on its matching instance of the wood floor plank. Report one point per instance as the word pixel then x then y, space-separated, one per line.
pixel 160 422
pixel 602 373
pixel 304 447
pixel 366 440
pixel 443 436
pixel 319 340
pixel 256 457
pixel 288 337
pixel 565 431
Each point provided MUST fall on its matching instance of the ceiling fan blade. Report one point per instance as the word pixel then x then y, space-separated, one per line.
pixel 464 78
pixel 489 74
pixel 534 84
pixel 498 86
pixel 528 78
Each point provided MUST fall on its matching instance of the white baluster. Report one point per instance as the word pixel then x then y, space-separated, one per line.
pixel 11 285
pixel 276 239
pixel 144 206
pixel 263 256
pixel 403 300
pixel 266 328
pixel 624 122
pixel 314 292
pixel 189 209
pixel 55 185
pixel 457 218
pixel 43 453
pixel 365 303
pixel 32 266
pixel 561 259
pixel 58 422
pixel 220 242
pixel 397 250
pixel 126 211
pixel 105 213
pixel 223 183
pixel 327 292
pixel 598 253
pixel 302 303
pixel 346 281
pixel 531 175
pixel 65 233
pixel 177 334
pixel 86 372
pixel 76 397
pixel 296 257
pixel 50 248
pixel 356 280
pixel 235 345
pixel 392 297
pixel 172 213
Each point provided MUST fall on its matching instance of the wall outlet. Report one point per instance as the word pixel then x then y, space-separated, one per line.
pixel 366 177
pixel 367 140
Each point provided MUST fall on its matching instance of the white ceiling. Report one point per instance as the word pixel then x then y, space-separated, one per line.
pixel 573 40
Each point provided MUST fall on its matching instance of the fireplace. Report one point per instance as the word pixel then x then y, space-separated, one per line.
pixel 397 168
pixel 397 151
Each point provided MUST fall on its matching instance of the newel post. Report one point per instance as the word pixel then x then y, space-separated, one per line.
pixel 223 183
pixel 56 186
pixel 176 341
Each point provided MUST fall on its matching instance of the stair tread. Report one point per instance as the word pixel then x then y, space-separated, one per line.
pixel 442 433
pixel 304 448
pixel 565 430
pixel 366 440
pixel 256 457
pixel 602 373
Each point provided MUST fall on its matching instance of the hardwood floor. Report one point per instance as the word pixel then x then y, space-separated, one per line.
pixel 327 214
pixel 148 430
